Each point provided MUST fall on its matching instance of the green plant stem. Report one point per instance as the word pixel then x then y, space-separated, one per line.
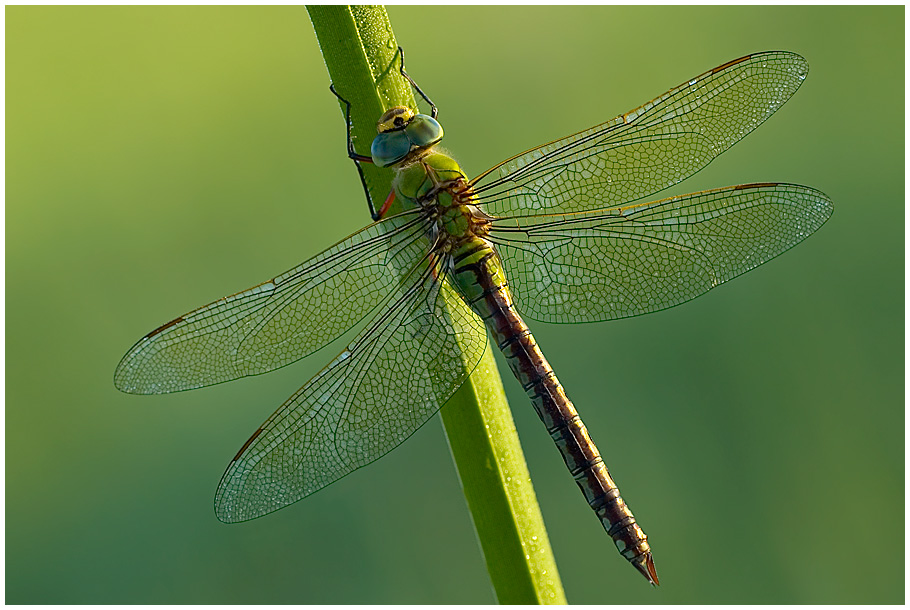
pixel 359 50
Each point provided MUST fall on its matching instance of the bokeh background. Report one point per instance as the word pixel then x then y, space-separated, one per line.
pixel 159 158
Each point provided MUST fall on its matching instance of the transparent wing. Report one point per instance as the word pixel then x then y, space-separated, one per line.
pixel 626 261
pixel 278 321
pixel 393 377
pixel 647 149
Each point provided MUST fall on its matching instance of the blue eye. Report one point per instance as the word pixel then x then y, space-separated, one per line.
pixel 389 148
pixel 423 130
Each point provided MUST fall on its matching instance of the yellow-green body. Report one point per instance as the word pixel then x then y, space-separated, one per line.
pixel 431 180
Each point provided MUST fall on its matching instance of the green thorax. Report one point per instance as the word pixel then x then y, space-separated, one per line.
pixel 431 173
pixel 434 181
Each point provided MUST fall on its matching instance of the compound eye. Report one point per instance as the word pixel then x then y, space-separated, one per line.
pixel 390 148
pixel 424 130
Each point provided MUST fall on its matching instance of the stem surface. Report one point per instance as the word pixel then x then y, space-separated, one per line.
pixel 359 49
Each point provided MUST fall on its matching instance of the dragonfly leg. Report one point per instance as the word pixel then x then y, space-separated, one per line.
pixel 356 157
pixel 414 84
pixel 386 205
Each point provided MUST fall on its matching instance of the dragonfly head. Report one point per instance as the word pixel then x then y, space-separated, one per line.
pixel 401 130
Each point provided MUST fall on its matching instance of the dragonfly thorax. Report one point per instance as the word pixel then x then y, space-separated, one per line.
pixel 435 183
pixel 459 223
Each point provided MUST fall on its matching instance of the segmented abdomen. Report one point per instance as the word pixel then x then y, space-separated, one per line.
pixel 478 273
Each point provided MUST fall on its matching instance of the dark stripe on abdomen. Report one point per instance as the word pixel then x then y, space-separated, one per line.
pixel 493 302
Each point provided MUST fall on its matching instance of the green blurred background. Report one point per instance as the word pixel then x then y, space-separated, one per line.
pixel 159 158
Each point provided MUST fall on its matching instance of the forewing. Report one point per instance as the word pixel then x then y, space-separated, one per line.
pixel 393 377
pixel 627 261
pixel 647 149
pixel 278 321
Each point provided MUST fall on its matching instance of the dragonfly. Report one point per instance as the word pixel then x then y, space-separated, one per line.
pixel 556 234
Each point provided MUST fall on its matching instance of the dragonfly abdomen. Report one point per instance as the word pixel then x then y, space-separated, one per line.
pixel 479 276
